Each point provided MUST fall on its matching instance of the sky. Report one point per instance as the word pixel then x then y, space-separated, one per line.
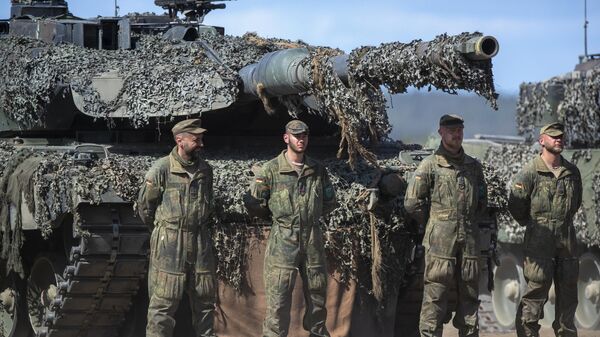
pixel 538 38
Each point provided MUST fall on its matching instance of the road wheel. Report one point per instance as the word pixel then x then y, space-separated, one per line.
pixel 13 316
pixel 587 315
pixel 509 286
pixel 42 287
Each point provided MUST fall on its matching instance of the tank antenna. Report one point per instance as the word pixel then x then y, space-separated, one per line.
pixel 585 26
pixel 116 9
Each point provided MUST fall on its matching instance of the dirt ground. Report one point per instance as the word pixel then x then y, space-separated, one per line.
pixel 449 331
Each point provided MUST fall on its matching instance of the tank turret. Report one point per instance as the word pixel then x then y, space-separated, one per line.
pixel 118 69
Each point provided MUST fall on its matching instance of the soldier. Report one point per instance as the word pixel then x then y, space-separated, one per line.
pixel 297 191
pixel 177 198
pixel 544 197
pixel 448 193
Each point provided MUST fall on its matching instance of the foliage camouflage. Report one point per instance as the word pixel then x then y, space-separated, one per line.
pixel 164 77
pixel 579 110
pixel 59 183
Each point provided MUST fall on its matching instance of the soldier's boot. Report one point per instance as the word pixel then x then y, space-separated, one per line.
pixel 202 301
pixel 314 283
pixel 466 318
pixel 279 283
pixel 565 285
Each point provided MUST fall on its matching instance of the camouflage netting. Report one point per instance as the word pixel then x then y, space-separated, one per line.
pixel 57 183
pixel 506 161
pixel 163 78
pixel 587 219
pixel 579 109
pixel 359 107
pixel 160 77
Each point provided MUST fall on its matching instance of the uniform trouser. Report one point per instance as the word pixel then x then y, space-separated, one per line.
pixel 166 294
pixel 440 273
pixel 181 262
pixel 279 284
pixel 539 273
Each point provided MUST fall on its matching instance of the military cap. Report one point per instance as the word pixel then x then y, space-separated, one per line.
pixel 451 120
pixel 296 126
pixel 189 125
pixel 553 129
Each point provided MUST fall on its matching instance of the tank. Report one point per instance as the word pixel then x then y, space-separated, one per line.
pixel 572 99
pixel 86 106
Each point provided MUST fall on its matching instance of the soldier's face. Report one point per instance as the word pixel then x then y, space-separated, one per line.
pixel 191 144
pixel 553 144
pixel 297 142
pixel 452 137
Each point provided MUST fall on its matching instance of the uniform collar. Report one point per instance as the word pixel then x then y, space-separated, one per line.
pixel 442 156
pixel 175 165
pixel 285 167
pixel 541 166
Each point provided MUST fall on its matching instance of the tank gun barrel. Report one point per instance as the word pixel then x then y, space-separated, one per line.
pixel 286 72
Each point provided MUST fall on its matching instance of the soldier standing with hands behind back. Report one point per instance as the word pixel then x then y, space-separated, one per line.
pixel 448 193
pixel 296 190
pixel 545 195
pixel 177 198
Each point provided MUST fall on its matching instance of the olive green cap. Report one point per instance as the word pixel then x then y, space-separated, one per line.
pixel 193 126
pixel 553 129
pixel 296 126
pixel 451 120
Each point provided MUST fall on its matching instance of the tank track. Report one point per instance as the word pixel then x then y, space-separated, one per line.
pixel 102 274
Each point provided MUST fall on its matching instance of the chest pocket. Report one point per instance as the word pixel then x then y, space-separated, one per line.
pixel 281 204
pixel 443 190
pixel 544 194
pixel 203 196
pixel 171 204
pixel 469 185
pixel 566 190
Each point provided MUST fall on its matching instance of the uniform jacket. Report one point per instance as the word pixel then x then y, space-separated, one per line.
pixel 546 204
pixel 449 197
pixel 296 202
pixel 179 208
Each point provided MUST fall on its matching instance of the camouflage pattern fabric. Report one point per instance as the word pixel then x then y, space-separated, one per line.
pixel 179 205
pixel 546 205
pixel 296 201
pixel 448 193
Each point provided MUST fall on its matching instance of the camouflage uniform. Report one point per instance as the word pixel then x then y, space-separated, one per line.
pixel 295 243
pixel 448 193
pixel 181 258
pixel 546 205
